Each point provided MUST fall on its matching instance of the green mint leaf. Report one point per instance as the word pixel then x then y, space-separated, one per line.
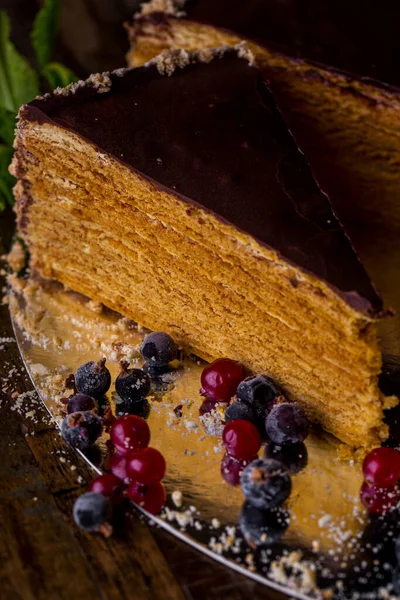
pixel 7 181
pixel 7 126
pixel 44 31
pixel 57 75
pixel 18 81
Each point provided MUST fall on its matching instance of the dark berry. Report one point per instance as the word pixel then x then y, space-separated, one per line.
pixel 381 467
pixel 241 439
pixel 93 378
pixel 207 406
pixel 158 349
pixel 294 457
pixel 287 423
pixel 141 409
pixel 221 378
pixel 266 483
pixel 109 485
pixel 262 528
pixel 232 468
pixel 117 464
pixel 396 581
pixel 130 433
pixel 258 389
pixel 81 429
pixel 146 466
pixel 91 513
pixel 239 410
pixel 261 393
pixel 80 402
pixel 379 500
pixel 149 497
pixel 132 385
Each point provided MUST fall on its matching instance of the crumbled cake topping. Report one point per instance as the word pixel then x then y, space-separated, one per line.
pixel 169 7
pixel 177 58
pixel 101 82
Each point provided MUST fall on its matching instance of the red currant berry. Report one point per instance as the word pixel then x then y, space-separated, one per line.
pixel 130 432
pixel 379 500
pixel 232 468
pixel 381 467
pixel 109 486
pixel 146 466
pixel 220 379
pixel 241 439
pixel 117 464
pixel 149 497
pixel 207 406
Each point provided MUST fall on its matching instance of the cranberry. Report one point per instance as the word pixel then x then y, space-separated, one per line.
pixel 109 485
pixel 149 497
pixel 117 464
pixel 379 500
pixel 130 432
pixel 241 439
pixel 221 379
pixel 232 468
pixel 381 467
pixel 146 466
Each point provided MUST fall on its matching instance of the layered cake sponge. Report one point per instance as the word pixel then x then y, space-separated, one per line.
pixel 347 126
pixel 175 194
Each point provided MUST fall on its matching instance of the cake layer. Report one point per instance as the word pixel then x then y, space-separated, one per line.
pixel 101 215
pixel 348 127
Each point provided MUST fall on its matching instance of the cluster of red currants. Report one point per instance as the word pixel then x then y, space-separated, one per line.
pixel 135 469
pixel 240 437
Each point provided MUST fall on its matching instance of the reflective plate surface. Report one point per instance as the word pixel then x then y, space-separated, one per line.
pixel 331 547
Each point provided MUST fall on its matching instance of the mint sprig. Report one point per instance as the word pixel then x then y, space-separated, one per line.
pixel 44 32
pixel 20 83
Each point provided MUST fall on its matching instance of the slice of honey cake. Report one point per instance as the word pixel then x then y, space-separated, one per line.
pixel 175 194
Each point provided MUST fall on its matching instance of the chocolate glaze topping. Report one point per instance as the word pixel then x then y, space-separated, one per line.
pixel 338 33
pixel 212 135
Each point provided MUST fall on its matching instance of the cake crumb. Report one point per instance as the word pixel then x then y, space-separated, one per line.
pixel 177 498
pixel 168 7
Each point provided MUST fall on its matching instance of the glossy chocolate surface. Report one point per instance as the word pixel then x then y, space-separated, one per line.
pixel 347 35
pixel 212 135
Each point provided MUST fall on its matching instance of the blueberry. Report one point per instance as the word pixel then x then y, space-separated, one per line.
pixel 261 392
pixel 91 512
pixel 265 483
pixel 287 423
pixel 80 402
pixel 294 457
pixel 81 429
pixel 93 378
pixel 397 548
pixel 262 528
pixel 258 389
pixel 141 409
pixel 239 410
pixel 396 581
pixel 132 385
pixel 158 349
